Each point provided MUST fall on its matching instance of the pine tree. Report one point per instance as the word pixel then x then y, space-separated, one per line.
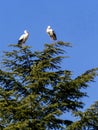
pixel 35 91
pixel 87 120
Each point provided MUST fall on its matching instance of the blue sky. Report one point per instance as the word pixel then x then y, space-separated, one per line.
pixel 73 21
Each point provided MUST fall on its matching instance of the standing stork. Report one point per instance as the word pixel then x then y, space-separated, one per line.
pixel 51 33
pixel 23 38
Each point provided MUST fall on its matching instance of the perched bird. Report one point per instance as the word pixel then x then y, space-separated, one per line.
pixel 51 33
pixel 23 38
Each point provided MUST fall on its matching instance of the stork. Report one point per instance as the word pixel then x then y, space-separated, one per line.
pixel 51 33
pixel 23 38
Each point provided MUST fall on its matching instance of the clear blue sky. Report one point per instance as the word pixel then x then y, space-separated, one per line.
pixel 74 21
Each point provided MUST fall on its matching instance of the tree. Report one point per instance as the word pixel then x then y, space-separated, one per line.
pixel 35 91
pixel 88 120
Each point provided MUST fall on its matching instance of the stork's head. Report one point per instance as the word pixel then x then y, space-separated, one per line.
pixel 49 27
pixel 25 31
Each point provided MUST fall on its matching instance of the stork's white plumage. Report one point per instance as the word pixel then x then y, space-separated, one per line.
pixel 51 33
pixel 23 37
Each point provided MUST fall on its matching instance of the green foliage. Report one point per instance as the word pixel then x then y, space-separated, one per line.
pixel 35 91
pixel 88 120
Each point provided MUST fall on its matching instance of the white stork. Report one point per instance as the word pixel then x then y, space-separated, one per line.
pixel 51 33
pixel 23 38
